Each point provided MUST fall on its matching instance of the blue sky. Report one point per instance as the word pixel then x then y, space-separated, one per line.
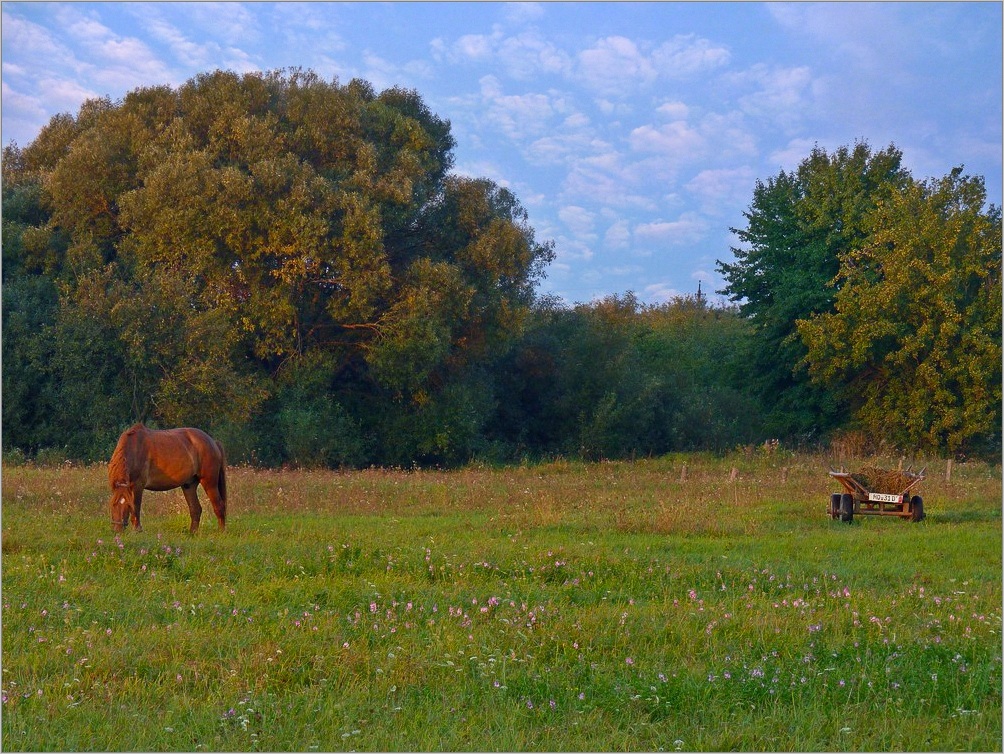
pixel 633 133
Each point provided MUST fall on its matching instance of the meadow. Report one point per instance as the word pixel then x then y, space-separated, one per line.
pixel 563 606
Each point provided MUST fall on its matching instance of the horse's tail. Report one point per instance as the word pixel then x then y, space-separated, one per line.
pixel 221 482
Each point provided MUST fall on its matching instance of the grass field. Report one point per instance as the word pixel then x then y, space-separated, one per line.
pixel 566 606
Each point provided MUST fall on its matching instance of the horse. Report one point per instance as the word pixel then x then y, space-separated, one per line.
pixel 147 459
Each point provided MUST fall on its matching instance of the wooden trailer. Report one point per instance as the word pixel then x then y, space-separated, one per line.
pixel 877 492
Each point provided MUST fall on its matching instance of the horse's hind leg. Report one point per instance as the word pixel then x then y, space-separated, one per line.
pixel 194 507
pixel 219 503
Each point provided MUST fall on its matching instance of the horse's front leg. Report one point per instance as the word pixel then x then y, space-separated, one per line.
pixel 137 502
pixel 194 506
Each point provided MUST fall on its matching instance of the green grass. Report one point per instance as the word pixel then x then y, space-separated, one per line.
pixel 557 607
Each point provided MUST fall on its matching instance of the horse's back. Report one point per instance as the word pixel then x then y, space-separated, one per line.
pixel 168 458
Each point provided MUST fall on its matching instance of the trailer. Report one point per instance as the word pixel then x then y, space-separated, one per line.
pixel 877 492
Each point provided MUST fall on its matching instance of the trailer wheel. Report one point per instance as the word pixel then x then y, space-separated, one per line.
pixel 834 510
pixel 917 509
pixel 846 507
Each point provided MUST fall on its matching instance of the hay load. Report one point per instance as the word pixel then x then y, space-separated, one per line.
pixel 891 481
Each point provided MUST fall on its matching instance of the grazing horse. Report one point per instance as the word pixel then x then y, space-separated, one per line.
pixel 146 459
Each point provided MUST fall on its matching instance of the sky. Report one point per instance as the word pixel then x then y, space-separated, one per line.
pixel 632 133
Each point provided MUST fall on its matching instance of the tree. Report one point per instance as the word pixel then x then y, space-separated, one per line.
pixel 226 231
pixel 914 342
pixel 799 225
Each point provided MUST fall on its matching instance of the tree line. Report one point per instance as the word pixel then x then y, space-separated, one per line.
pixel 289 263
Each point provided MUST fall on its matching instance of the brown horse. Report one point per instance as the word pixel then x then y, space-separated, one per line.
pixel 146 459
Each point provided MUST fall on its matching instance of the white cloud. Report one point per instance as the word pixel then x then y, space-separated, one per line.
pixel 690 228
pixel 660 293
pixel 674 110
pixel 687 55
pixel 528 55
pixel 615 66
pixel 477 47
pixel 721 190
pixel 519 116
pixel 781 95
pixel 236 25
pixel 520 12
pixel 675 139
pixel 578 219
pixel 618 236
pixel 27 41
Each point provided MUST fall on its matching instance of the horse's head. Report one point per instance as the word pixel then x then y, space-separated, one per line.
pixel 122 504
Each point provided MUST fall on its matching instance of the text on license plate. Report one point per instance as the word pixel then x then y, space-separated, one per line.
pixel 881 497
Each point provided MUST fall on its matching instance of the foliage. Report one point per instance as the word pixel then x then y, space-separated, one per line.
pixel 211 235
pixel 290 264
pixel 915 338
pixel 799 224
pixel 615 379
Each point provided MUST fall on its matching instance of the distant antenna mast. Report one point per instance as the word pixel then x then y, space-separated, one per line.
pixel 700 296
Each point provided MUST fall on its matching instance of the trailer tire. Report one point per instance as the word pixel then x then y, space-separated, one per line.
pixel 917 509
pixel 834 510
pixel 846 508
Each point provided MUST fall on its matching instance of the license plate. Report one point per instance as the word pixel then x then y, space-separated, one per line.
pixel 881 497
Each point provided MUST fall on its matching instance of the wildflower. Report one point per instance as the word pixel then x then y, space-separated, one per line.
pixel 629 661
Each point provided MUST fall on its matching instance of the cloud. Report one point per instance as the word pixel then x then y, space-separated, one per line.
pixel 519 116
pixel 782 95
pixel 674 110
pixel 719 191
pixel 579 220
pixel 25 40
pixel 120 63
pixel 524 56
pixel 618 236
pixel 383 73
pixel 690 228
pixel 687 55
pixel 615 66
pixel 518 13
pixel 675 139
pixel 236 25
pixel 660 293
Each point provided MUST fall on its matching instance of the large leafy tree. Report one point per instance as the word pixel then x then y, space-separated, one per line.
pixel 914 341
pixel 799 223
pixel 241 227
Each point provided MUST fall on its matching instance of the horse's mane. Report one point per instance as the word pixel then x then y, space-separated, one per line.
pixel 118 466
